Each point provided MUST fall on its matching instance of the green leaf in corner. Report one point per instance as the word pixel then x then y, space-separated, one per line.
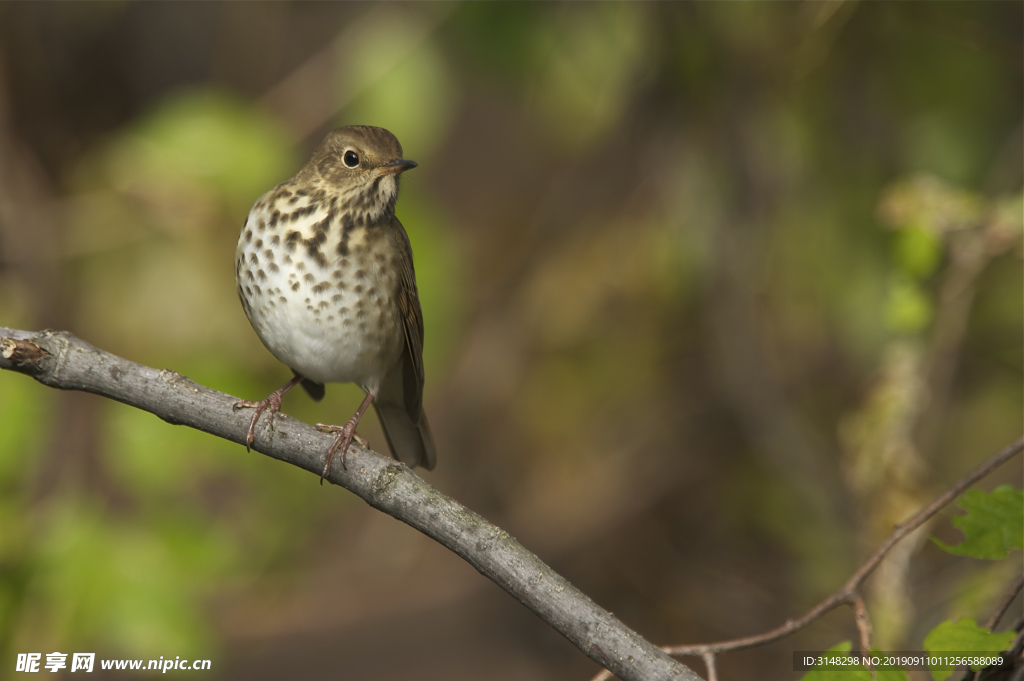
pixel 963 636
pixel 994 523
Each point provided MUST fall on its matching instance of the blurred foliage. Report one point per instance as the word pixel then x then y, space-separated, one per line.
pixel 204 143
pixel 714 295
pixel 414 99
pixel 935 222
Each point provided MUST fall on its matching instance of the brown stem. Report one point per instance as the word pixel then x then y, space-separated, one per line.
pixel 1005 604
pixel 709 662
pixel 860 616
pixel 849 592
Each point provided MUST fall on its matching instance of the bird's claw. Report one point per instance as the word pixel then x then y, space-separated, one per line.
pixel 271 405
pixel 346 434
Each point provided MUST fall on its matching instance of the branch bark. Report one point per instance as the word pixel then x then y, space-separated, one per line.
pixel 60 360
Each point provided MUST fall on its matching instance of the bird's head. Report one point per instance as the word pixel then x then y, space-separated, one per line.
pixel 362 163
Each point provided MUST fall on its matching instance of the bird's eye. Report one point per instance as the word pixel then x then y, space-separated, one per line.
pixel 351 159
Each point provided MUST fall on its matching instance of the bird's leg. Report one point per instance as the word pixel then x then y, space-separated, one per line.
pixel 271 405
pixel 346 434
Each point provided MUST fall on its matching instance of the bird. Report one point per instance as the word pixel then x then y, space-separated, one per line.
pixel 324 271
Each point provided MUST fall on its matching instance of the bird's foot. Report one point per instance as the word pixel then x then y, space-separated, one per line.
pixel 271 405
pixel 346 434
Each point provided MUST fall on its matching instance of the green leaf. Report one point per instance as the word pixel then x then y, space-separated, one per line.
pixel 994 523
pixel 908 309
pixel 964 636
pixel 917 251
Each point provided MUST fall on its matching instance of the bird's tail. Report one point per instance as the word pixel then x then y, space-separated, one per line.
pixel 313 389
pixel 410 441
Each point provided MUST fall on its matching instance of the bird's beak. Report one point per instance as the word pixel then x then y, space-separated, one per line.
pixel 396 167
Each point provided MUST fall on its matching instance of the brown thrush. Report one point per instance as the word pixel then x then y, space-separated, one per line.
pixel 324 271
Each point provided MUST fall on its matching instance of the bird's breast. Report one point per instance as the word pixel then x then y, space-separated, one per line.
pixel 321 291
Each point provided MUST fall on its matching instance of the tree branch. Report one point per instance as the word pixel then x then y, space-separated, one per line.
pixel 60 360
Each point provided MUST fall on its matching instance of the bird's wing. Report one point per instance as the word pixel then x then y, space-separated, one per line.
pixel 412 321
pixel 403 421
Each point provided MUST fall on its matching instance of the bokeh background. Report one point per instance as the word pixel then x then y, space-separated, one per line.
pixel 715 294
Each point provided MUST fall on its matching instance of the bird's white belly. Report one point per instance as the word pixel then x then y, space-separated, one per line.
pixel 331 324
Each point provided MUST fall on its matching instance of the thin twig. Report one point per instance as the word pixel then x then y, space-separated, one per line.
pixel 848 592
pixel 860 616
pixel 709 662
pixel 60 360
pixel 1005 604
